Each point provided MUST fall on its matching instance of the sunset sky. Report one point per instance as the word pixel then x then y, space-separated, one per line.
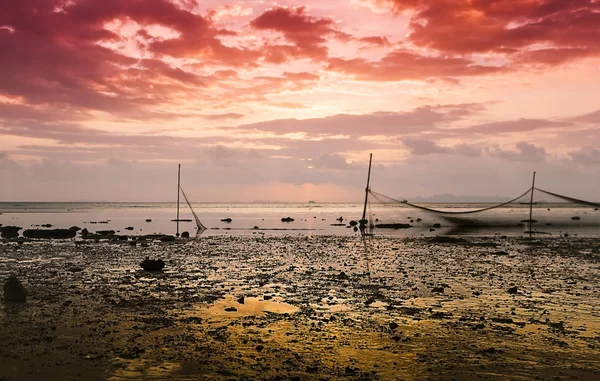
pixel 284 100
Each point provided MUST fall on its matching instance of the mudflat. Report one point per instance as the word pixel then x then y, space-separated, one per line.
pixel 304 308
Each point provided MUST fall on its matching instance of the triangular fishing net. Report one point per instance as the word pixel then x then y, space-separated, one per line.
pixel 198 223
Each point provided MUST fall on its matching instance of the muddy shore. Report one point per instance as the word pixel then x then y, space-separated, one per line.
pixel 304 308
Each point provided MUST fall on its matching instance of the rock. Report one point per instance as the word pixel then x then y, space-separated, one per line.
pixel 148 220
pixel 431 229
pixel 129 228
pixel 267 297
pixel 575 218
pixel 241 299
pixel 84 232
pixel 355 228
pixel 153 265
pixel 50 234
pixel 230 309
pixel 167 238
pixel 14 290
pixel 105 232
pixel 287 219
pixel 438 290
pixel 353 223
pixel 342 275
pixel 502 253
pixel 256 228
pixel 228 220
pixel 185 235
pixel 513 290
pixel 10 231
pixel 47 225
pixel 75 228
pixel 436 226
pixel 393 326
pixel 340 219
pixel 393 226
pixel 259 347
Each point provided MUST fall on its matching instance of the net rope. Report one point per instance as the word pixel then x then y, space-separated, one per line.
pixel 570 199
pixel 381 198
pixel 198 223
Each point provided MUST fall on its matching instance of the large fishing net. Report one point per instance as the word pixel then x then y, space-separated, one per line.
pixel 536 211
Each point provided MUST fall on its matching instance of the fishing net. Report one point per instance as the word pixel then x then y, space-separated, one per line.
pixel 198 223
pixel 535 210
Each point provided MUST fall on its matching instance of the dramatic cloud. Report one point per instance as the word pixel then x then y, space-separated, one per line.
pixel 266 98
pixel 307 34
pixel 506 26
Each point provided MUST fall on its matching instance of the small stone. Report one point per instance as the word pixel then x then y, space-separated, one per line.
pixel 230 309
pixel 513 290
pixel 241 299
pixel 439 290
pixel 259 347
pixel 393 326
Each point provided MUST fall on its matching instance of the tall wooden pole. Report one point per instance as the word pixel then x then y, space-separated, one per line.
pixel 531 206
pixel 178 188
pixel 363 223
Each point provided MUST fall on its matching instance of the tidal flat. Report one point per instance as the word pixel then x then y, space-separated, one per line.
pixel 304 308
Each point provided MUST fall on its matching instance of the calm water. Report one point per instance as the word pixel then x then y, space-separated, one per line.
pixel 309 218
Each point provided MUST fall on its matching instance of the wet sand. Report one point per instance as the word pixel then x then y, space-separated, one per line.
pixel 324 308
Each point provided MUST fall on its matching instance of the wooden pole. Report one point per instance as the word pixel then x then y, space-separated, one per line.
pixel 363 223
pixel 178 191
pixel 531 206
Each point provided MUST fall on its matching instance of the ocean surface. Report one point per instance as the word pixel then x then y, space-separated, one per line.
pixel 309 218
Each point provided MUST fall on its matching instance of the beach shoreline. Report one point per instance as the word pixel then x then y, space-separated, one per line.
pixel 314 307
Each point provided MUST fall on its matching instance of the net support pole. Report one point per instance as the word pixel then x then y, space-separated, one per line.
pixel 364 215
pixel 178 188
pixel 531 206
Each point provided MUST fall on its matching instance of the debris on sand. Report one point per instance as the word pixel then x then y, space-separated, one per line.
pixel 153 265
pixel 14 290
pixel 447 239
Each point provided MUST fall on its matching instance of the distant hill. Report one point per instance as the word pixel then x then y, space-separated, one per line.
pixel 452 198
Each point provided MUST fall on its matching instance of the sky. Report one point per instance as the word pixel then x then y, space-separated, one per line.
pixel 284 100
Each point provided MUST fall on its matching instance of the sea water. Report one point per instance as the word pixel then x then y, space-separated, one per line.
pixel 309 218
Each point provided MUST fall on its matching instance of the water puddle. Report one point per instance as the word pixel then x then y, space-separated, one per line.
pixel 142 369
pixel 230 307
